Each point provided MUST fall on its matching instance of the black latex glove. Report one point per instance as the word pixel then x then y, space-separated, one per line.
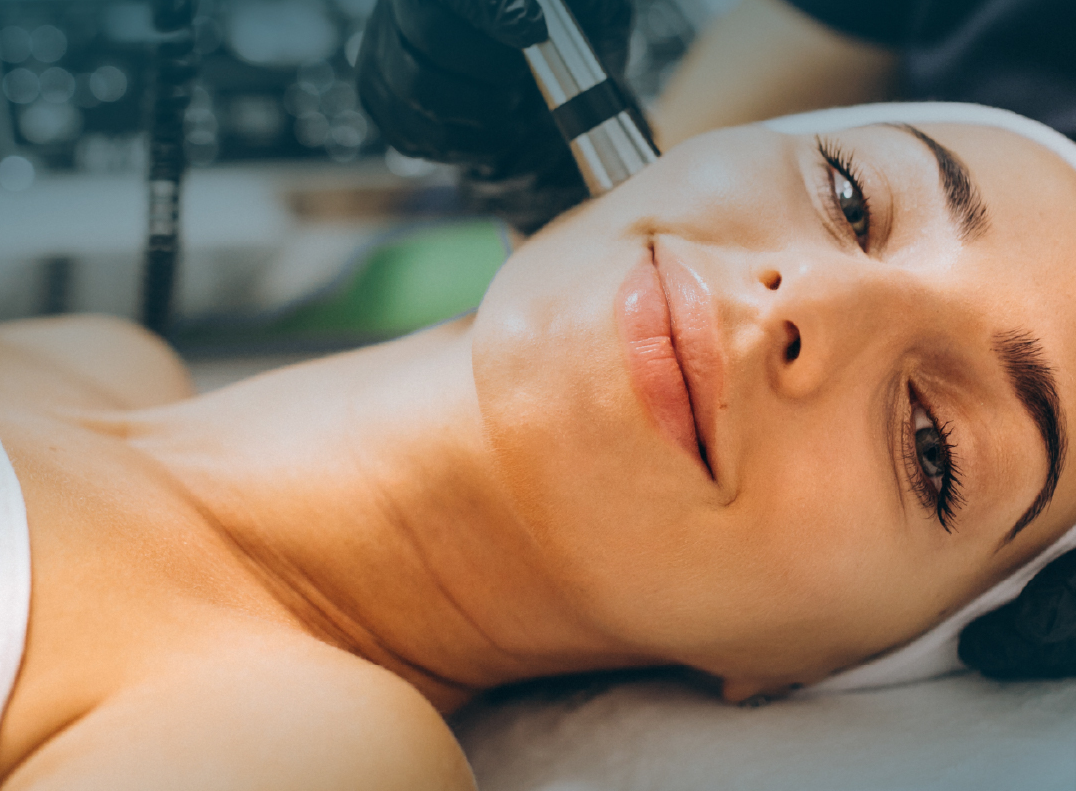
pixel 446 80
pixel 1033 636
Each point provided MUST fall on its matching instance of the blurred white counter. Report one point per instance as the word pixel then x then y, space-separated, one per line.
pixel 246 241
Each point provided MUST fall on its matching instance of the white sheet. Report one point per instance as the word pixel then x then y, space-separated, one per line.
pixel 951 734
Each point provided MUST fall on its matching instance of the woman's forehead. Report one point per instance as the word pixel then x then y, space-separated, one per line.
pixel 1028 245
pixel 1020 272
pixel 1025 265
pixel 1002 155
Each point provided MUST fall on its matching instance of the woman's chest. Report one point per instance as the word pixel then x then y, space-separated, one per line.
pixel 125 572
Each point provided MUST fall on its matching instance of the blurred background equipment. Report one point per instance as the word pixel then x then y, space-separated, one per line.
pixel 289 185
pixel 175 66
pixel 276 81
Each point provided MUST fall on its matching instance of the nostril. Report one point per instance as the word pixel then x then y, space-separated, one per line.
pixel 792 349
pixel 771 279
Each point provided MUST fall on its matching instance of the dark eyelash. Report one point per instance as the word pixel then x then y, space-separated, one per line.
pixel 841 161
pixel 949 498
pixel 844 163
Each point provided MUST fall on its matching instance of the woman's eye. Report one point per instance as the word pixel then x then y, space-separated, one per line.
pixel 853 205
pixel 932 465
pixel 846 196
pixel 929 449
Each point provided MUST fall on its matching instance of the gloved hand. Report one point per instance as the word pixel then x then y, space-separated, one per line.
pixel 1033 636
pixel 446 80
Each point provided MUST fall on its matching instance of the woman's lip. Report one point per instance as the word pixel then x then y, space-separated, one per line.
pixel 698 346
pixel 649 330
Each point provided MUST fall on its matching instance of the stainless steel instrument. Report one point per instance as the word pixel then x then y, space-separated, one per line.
pixel 601 124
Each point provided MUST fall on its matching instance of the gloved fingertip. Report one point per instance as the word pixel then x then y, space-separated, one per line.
pixel 514 23
pixel 520 23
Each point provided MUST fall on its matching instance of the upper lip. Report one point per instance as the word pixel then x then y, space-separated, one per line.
pixel 696 344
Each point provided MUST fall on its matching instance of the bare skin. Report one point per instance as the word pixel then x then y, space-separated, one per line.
pixel 141 604
pixel 282 583
pixel 766 58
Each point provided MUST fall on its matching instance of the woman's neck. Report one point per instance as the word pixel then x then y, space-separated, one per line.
pixel 359 488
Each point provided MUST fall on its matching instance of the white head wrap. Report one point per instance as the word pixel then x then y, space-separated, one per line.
pixel 935 652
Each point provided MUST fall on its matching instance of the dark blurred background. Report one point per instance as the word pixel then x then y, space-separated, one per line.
pixel 276 81
pixel 301 230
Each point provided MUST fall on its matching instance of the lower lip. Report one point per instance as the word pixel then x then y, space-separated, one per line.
pixel 642 313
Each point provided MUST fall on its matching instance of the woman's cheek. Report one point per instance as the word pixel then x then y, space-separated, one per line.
pixel 819 510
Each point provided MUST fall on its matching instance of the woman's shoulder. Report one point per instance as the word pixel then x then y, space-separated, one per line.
pixel 260 711
pixel 93 361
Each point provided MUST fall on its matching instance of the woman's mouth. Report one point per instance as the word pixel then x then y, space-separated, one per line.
pixel 656 366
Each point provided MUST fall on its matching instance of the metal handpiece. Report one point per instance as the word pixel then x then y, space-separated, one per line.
pixel 593 114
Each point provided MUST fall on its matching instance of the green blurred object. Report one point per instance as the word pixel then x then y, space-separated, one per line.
pixel 412 278
pixel 427 276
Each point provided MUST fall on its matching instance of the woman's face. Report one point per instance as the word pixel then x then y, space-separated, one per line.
pixel 778 403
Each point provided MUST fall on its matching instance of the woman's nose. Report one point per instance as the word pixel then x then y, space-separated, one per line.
pixel 816 322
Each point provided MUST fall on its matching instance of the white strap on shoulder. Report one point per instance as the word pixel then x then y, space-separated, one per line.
pixel 14 577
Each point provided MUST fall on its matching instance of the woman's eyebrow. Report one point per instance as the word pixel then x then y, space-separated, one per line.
pixel 962 196
pixel 1033 382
